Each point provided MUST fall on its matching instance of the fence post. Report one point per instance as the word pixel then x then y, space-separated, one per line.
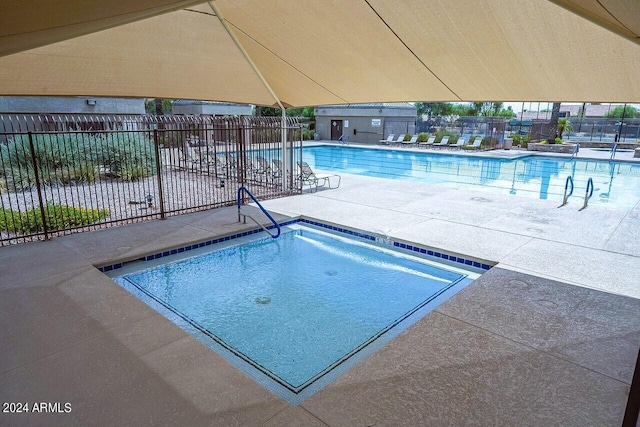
pixel 37 177
pixel 156 147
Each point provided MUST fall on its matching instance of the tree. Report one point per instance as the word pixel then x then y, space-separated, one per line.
pixel 290 112
pixel 553 123
pixel 158 106
pixel 432 109
pixel 495 108
pixel 508 113
pixel 462 110
pixel 478 108
pixel 617 113
pixel 564 125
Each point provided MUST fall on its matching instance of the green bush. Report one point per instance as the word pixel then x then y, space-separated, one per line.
pixel 126 155
pixel 520 140
pixel 453 137
pixel 75 158
pixel 423 137
pixel 558 141
pixel 61 159
pixel 58 217
pixel 407 137
pixel 307 134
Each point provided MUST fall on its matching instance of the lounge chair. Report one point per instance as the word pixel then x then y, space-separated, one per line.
pixel 389 139
pixel 314 180
pixel 413 140
pixel 399 140
pixel 428 143
pixel 263 165
pixel 476 144
pixel 461 143
pixel 443 143
pixel 197 157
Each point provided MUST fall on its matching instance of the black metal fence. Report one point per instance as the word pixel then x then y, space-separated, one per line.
pixel 64 174
pixel 495 129
pixel 491 129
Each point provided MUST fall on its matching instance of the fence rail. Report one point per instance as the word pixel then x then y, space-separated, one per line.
pixel 65 174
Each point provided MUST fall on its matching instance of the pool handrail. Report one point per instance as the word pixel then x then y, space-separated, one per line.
pixel 614 147
pixel 246 190
pixel 587 193
pixel 575 150
pixel 566 185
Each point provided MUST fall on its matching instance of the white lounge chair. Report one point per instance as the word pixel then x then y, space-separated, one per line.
pixel 443 143
pixel 389 139
pixel 399 140
pixel 476 144
pixel 197 156
pixel 460 143
pixel 413 140
pixel 314 180
pixel 428 143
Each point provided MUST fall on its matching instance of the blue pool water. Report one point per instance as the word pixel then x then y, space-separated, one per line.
pixel 297 308
pixel 617 184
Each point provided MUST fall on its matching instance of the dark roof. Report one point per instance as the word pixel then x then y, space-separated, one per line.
pixel 372 105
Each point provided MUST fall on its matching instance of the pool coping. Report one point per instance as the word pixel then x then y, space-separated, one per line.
pixel 410 247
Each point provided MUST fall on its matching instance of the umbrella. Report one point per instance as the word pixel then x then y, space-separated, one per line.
pixel 310 52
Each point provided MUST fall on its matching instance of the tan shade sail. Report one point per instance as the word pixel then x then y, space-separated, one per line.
pixel 619 16
pixel 311 52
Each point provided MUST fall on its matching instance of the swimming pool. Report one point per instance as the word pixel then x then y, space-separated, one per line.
pixel 617 184
pixel 297 311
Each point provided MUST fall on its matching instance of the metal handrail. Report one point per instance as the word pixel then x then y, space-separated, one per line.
pixel 613 151
pixel 575 150
pixel 587 193
pixel 566 186
pixel 246 190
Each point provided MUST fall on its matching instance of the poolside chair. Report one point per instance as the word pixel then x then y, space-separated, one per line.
pixel 399 140
pixel 197 156
pixel 476 144
pixel 276 173
pixel 314 180
pixel 263 166
pixel 428 143
pixel 461 143
pixel 443 143
pixel 413 140
pixel 389 139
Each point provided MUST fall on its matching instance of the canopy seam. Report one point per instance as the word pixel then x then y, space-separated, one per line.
pixel 412 52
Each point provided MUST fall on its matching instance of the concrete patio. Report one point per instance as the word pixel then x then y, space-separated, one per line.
pixel 547 337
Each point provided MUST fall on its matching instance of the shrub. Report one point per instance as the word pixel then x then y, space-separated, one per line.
pixel 423 137
pixel 307 134
pixel 61 159
pixel 453 137
pixel 407 137
pixel 126 155
pixel 58 217
pixel 558 141
pixel 520 140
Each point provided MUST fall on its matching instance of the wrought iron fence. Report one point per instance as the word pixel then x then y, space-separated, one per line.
pixel 64 174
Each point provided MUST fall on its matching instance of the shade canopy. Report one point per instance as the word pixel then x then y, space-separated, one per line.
pixel 309 52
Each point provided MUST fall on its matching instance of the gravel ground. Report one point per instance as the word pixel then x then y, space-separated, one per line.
pixel 184 186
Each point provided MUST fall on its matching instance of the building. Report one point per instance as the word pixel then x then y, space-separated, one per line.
pixel 71 105
pixel 60 113
pixel 366 123
pixel 197 108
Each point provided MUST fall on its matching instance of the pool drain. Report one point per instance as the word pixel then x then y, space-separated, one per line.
pixel 263 300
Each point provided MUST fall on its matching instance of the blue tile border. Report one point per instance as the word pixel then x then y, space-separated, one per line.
pixel 362 235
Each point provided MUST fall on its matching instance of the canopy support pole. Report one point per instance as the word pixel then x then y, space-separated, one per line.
pixel 283 133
